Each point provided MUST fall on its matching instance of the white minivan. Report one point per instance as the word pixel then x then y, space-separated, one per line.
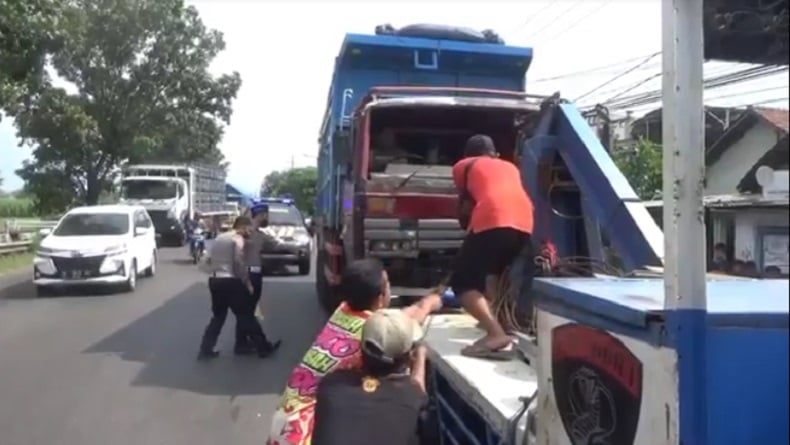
pixel 103 245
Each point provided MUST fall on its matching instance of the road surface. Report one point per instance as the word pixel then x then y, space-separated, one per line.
pixel 120 369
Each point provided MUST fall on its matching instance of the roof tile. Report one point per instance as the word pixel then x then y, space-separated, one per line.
pixel 777 117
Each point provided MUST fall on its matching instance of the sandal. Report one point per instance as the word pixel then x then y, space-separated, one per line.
pixel 482 351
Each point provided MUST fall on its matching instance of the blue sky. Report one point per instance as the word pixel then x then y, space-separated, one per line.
pixel 285 59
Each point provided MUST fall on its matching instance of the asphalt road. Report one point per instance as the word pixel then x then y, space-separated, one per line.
pixel 98 369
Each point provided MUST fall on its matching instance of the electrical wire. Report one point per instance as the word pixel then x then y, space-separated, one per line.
pixel 657 75
pixel 762 90
pixel 764 102
pixel 618 92
pixel 532 17
pixel 635 86
pixel 624 73
pixel 590 70
pixel 581 19
pixel 716 82
pixel 553 21
pixel 504 301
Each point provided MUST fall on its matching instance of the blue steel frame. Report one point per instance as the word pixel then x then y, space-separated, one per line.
pixel 459 422
pixel 612 201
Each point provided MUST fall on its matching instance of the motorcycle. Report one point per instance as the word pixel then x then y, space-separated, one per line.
pixel 197 245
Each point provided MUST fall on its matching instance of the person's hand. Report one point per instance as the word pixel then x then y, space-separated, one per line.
pixel 433 300
pixel 439 289
pixel 249 288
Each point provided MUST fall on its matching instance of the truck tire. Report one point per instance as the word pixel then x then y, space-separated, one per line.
pixel 328 296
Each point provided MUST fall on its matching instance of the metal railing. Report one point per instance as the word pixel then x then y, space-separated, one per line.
pixel 22 225
pixel 15 247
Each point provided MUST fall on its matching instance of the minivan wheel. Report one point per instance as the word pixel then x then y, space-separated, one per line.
pixel 131 282
pixel 151 271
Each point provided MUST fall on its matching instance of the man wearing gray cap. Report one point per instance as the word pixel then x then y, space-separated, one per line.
pixel 381 403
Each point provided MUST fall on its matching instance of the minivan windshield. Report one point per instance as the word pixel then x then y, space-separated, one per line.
pixel 93 224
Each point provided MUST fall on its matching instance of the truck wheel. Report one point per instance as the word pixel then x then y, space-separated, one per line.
pixel 328 296
pixel 304 267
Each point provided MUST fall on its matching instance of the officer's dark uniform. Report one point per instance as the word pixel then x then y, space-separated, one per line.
pixel 228 284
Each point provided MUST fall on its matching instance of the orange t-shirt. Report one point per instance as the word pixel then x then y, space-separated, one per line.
pixel 500 200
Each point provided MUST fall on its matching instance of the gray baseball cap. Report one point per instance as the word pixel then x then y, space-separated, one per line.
pixel 390 334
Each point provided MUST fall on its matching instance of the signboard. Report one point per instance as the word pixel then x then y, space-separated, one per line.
pixel 602 387
pixel 597 385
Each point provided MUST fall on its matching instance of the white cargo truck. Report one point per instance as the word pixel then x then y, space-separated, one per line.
pixel 172 194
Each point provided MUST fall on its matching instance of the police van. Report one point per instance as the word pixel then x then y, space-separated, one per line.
pixel 290 242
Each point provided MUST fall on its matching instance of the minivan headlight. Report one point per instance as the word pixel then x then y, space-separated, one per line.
pixel 117 249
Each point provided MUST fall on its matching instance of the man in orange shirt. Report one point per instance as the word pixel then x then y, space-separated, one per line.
pixel 499 228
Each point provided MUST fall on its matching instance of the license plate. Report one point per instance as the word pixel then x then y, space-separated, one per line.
pixel 76 274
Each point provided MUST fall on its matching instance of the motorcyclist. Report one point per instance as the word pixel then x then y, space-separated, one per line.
pixel 194 225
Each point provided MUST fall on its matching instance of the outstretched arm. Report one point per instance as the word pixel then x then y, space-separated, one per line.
pixel 423 308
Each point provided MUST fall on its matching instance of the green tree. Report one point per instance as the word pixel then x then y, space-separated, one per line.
pixel 144 93
pixel 299 183
pixel 28 32
pixel 642 166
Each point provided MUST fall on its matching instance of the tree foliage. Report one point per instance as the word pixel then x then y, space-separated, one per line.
pixel 642 166
pixel 28 32
pixel 144 93
pixel 299 183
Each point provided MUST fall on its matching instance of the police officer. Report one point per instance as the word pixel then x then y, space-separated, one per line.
pixel 230 287
pixel 253 248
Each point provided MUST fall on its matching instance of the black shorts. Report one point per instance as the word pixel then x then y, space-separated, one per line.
pixel 486 253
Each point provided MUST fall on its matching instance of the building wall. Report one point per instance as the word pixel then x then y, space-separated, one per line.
pixel 723 176
pixel 747 225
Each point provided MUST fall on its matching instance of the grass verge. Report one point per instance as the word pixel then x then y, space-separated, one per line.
pixel 11 263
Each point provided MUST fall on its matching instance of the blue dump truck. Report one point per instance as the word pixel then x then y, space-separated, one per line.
pixel 388 143
pixel 603 359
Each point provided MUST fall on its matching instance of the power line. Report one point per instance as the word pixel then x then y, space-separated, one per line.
pixel 761 90
pixel 532 17
pixel 630 70
pixel 636 85
pixel 716 82
pixel 764 102
pixel 551 22
pixel 590 70
pixel 621 93
pixel 581 19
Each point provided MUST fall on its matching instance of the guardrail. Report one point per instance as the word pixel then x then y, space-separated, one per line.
pixel 20 225
pixel 15 247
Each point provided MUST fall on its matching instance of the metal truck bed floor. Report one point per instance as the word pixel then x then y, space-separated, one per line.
pixel 491 388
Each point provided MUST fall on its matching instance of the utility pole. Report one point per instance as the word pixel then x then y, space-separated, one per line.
pixel 684 226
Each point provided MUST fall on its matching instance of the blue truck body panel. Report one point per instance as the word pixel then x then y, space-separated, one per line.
pixel 367 61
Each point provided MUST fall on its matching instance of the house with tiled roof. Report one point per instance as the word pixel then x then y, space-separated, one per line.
pixel 745 211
